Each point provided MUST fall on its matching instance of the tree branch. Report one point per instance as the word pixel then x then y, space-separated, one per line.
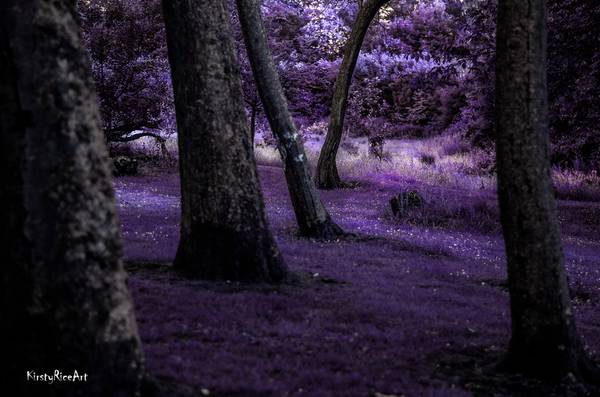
pixel 137 136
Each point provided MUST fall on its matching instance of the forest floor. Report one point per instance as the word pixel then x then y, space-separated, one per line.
pixel 402 309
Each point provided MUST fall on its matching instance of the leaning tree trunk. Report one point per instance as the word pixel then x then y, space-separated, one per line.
pixel 327 176
pixel 313 219
pixel 544 339
pixel 224 232
pixel 65 303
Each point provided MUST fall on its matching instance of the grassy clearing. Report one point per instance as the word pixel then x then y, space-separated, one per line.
pixel 444 162
pixel 457 182
pixel 404 160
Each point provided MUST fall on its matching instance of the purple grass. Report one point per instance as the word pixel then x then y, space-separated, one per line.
pixel 393 312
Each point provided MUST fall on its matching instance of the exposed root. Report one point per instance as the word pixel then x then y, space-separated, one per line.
pixel 485 373
pixel 327 231
pixel 577 372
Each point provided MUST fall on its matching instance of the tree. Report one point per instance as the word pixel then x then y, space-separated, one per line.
pixel 573 75
pixel 65 303
pixel 327 176
pixel 313 219
pixel 224 232
pixel 544 337
pixel 127 48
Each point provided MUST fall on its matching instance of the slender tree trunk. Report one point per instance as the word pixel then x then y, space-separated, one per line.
pixel 65 303
pixel 313 219
pixel 327 176
pixel 544 339
pixel 224 232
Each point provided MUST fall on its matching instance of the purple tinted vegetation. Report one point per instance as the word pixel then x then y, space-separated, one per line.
pixel 415 304
pixel 426 68
pixel 391 312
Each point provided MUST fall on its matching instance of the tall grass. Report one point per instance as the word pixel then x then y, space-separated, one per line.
pixel 443 161
pixel 403 161
pixel 576 185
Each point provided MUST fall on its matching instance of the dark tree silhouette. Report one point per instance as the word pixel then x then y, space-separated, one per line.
pixel 313 219
pixel 224 232
pixel 544 338
pixel 327 176
pixel 127 47
pixel 65 303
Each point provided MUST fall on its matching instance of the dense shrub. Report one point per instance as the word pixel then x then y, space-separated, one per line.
pixel 126 43
pixel 574 82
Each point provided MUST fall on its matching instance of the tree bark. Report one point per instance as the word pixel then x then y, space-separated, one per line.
pixel 224 232
pixel 254 111
pixel 327 176
pixel 65 303
pixel 312 217
pixel 544 338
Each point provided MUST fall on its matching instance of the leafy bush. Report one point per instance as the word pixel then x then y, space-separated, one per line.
pixel 573 80
pixel 126 43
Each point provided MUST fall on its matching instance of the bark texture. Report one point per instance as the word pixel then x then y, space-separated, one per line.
pixel 65 303
pixel 544 338
pixel 224 232
pixel 313 219
pixel 327 176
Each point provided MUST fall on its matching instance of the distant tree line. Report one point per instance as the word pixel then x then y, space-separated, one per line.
pixel 425 68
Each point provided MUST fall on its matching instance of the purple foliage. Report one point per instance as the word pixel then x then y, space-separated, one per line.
pixel 126 44
pixel 415 302
pixel 426 68
pixel 574 82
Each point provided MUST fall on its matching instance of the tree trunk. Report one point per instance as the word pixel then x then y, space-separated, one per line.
pixel 327 173
pixel 65 303
pixel 313 219
pixel 254 111
pixel 544 339
pixel 376 145
pixel 224 232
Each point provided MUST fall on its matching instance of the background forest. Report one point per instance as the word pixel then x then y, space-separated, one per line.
pixel 426 69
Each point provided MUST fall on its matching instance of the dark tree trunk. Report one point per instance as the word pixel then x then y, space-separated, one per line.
pixel 313 219
pixel 224 232
pixel 65 303
pixel 254 111
pixel 327 176
pixel 376 145
pixel 544 339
